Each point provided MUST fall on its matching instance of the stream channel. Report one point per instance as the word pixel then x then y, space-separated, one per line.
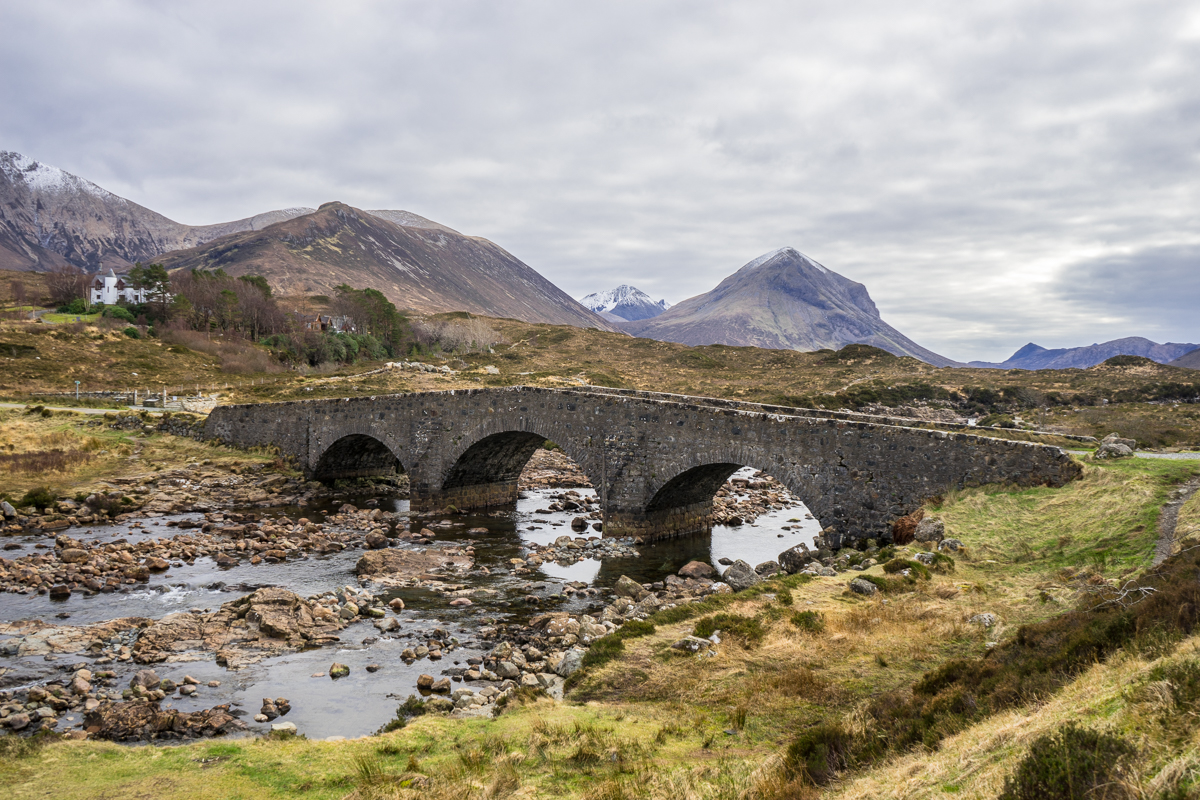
pixel 363 701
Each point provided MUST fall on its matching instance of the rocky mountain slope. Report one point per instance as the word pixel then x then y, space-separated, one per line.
pixel 426 269
pixel 49 217
pixel 1032 356
pixel 625 303
pixel 1189 361
pixel 785 301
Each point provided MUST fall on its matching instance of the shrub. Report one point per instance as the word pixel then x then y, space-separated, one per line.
pixel 904 528
pixel 412 707
pixel 603 650
pixel 916 568
pixel 132 332
pixel 42 461
pixel 118 313
pixel 76 306
pixel 1072 763
pixel 634 629
pixel 40 497
pixel 810 621
pixel 748 630
pixel 942 563
pixel 819 753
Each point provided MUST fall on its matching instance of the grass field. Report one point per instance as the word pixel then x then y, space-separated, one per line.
pixel 56 318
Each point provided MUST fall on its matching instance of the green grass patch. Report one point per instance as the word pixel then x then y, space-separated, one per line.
pixel 747 630
pixel 1107 519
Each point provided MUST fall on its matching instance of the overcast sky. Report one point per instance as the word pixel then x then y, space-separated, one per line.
pixel 994 173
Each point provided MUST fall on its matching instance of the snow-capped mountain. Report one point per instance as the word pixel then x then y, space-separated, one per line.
pixel 49 217
pixel 782 300
pixel 626 303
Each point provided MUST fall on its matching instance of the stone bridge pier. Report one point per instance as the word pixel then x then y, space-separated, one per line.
pixel 656 460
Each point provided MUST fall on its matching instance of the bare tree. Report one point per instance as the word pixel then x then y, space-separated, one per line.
pixel 19 294
pixel 66 283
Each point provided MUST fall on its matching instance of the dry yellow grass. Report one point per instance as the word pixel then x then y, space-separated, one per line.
pixel 113 454
pixel 974 764
pixel 1187 528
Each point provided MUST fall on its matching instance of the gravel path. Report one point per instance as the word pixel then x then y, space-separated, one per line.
pixel 1140 454
pixel 1169 518
pixel 83 410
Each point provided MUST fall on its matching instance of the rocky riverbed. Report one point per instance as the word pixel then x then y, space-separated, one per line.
pixel 235 587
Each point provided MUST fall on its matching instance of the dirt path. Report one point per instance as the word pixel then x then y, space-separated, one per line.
pixel 1169 518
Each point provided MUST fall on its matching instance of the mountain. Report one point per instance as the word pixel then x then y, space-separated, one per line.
pixel 1188 361
pixel 785 301
pixel 426 268
pixel 50 218
pixel 625 303
pixel 1031 356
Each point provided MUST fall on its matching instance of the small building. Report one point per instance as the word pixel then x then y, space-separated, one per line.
pixel 112 288
pixel 328 323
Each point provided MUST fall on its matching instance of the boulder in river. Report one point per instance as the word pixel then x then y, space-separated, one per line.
pixel 395 565
pixel 141 720
pixel 267 622
pixel 697 569
pixel 628 587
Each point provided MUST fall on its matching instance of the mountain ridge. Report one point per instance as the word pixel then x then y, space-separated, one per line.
pixel 783 300
pixel 1033 356
pixel 426 269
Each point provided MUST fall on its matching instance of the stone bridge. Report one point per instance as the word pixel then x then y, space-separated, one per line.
pixel 656 460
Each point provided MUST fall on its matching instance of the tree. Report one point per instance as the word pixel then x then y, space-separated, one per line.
pixel 17 289
pixel 66 283
pixel 155 280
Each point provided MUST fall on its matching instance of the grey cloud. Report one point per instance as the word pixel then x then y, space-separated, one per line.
pixel 958 160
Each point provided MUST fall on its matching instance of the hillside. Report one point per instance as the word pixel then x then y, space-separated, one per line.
pixel 1153 403
pixel 783 301
pixel 1189 361
pixel 1032 356
pixel 50 218
pixel 423 269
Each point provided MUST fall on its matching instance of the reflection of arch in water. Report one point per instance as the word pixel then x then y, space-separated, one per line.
pixel 486 472
pixel 684 503
pixel 356 455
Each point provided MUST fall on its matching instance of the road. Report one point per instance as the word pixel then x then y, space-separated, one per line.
pixel 85 410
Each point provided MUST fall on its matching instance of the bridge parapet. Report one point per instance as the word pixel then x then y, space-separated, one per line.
pixel 656 460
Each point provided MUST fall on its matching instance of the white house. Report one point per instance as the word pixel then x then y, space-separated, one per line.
pixel 113 288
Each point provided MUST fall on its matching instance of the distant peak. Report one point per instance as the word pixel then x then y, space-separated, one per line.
pixel 787 252
pixel 45 178
pixel 626 302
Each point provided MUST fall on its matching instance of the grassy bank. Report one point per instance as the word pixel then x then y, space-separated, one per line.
pixel 71 453
pixel 798 655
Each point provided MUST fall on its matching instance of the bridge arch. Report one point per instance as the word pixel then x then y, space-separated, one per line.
pixel 484 468
pixel 681 500
pixel 355 455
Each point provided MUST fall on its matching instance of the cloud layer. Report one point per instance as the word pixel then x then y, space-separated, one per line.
pixel 1013 172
